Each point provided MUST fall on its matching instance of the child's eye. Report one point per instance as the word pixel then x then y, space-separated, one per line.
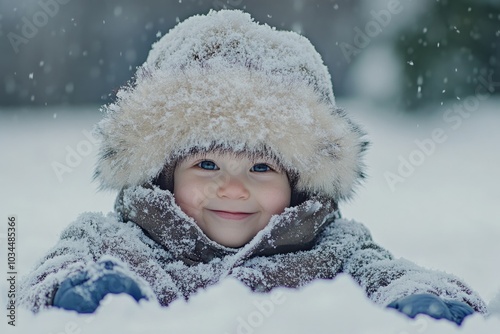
pixel 208 165
pixel 260 168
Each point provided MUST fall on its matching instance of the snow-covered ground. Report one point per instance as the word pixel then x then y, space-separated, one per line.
pixel 440 212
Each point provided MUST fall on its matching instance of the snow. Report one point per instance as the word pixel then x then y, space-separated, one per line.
pixel 239 42
pixel 443 216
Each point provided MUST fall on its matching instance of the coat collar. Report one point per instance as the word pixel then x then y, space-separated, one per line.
pixel 156 212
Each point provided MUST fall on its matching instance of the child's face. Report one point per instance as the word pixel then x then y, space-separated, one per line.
pixel 230 197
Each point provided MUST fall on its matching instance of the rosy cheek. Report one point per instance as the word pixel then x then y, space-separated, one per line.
pixel 275 203
pixel 284 203
pixel 188 208
pixel 190 198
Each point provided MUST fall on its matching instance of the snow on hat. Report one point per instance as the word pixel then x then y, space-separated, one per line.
pixel 223 80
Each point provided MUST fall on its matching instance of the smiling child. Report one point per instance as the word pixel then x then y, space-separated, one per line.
pixel 230 158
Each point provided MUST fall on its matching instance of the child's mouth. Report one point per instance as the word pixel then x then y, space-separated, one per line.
pixel 231 215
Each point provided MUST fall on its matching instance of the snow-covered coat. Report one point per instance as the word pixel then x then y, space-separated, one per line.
pixel 171 257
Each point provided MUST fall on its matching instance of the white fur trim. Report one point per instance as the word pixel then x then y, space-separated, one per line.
pixel 224 79
pixel 169 113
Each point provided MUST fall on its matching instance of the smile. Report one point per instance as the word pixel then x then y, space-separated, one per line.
pixel 231 215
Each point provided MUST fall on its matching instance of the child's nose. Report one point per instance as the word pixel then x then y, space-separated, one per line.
pixel 233 188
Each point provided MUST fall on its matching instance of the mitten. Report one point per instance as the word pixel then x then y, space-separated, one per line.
pixel 433 306
pixel 84 291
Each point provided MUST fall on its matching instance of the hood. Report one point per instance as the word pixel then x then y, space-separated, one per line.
pixel 224 80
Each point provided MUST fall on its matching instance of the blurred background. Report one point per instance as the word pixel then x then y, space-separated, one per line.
pixel 411 55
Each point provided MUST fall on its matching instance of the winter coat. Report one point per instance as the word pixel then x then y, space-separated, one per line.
pixel 171 258
pixel 224 81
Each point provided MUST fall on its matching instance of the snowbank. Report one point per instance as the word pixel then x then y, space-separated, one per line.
pixel 322 307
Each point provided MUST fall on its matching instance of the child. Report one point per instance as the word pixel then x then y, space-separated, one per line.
pixel 230 156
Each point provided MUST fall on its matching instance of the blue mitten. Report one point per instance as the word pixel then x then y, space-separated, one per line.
pixel 433 306
pixel 84 291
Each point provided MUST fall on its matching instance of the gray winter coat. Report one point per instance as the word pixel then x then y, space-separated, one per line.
pixel 171 258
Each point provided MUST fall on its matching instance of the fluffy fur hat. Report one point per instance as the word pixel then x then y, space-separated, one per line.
pixel 224 80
